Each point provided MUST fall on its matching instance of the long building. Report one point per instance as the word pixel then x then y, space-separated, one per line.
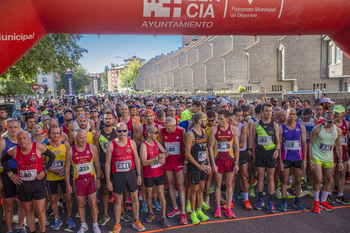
pixel 279 63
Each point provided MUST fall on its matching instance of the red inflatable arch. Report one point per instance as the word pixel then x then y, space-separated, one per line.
pixel 24 22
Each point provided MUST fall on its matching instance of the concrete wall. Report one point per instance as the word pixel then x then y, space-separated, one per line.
pixel 225 62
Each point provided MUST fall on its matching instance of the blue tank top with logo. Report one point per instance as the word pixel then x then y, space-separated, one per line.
pixel 9 144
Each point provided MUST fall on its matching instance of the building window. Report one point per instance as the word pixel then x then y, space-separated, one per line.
pixel 331 51
pixel 321 86
pixel 44 80
pixel 226 89
pixel 248 88
pixel 338 54
pixel 276 88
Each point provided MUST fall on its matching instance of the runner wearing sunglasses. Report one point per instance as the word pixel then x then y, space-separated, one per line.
pixel 123 163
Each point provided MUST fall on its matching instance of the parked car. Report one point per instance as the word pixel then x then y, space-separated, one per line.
pixel 213 98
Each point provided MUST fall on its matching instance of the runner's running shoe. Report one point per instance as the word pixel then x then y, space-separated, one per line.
pixel 326 206
pixel 343 200
pixel 283 206
pixel 194 219
pixel 316 207
pixel 259 204
pixel 299 206
pixel 270 208
pixel 57 225
pixel 117 228
pixel 138 226
pixel 149 217
pixel 125 217
pixel 144 208
pixel 173 212
pixel 229 213
pixel 156 205
pixel 165 222
pixel 217 212
pixel 205 206
pixel 183 219
pixel 202 216
pixel 247 205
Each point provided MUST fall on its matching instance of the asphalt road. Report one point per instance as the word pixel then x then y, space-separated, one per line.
pixel 246 221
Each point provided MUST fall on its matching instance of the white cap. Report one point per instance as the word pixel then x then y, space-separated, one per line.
pixel 326 100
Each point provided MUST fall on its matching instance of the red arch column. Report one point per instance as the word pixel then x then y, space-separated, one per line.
pixel 20 30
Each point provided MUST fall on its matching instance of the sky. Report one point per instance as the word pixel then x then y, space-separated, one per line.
pixel 103 50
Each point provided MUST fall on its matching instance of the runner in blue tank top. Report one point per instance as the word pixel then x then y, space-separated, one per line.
pixel 13 126
pixel 293 156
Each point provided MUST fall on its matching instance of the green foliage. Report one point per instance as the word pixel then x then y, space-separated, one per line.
pixel 241 89
pixel 80 80
pixel 16 86
pixel 128 76
pixel 166 90
pixel 49 92
pixel 148 91
pixel 54 53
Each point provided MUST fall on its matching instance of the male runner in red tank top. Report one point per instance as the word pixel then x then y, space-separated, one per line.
pixel 31 180
pixel 86 177
pixel 153 158
pixel 131 123
pixel 173 139
pixel 123 162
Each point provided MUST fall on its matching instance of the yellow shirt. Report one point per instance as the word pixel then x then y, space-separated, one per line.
pixel 60 160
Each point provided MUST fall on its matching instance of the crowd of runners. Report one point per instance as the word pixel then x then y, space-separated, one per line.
pixel 136 150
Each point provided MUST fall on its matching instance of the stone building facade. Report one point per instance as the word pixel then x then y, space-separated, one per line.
pixel 279 63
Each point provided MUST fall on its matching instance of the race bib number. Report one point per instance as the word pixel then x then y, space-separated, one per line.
pixel 202 156
pixel 28 175
pixel 173 148
pixel 123 166
pixel 223 146
pixel 264 140
pixel 104 146
pixel 344 140
pixel 156 164
pixel 129 134
pixel 325 147
pixel 57 164
pixel 292 145
pixel 83 169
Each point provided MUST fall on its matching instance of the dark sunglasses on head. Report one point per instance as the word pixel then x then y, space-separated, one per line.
pixel 124 131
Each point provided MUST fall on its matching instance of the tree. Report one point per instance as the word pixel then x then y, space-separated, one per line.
pixel 241 89
pixel 80 80
pixel 16 86
pixel 48 92
pixel 54 53
pixel 129 74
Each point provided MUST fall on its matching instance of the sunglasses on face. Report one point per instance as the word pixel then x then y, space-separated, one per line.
pixel 69 119
pixel 204 119
pixel 155 132
pixel 124 131
pixel 93 111
pixel 211 120
pixel 329 122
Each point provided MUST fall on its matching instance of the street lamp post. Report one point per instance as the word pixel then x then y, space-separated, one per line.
pixel 126 75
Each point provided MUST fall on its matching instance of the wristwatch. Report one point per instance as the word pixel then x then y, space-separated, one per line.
pixel 236 162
